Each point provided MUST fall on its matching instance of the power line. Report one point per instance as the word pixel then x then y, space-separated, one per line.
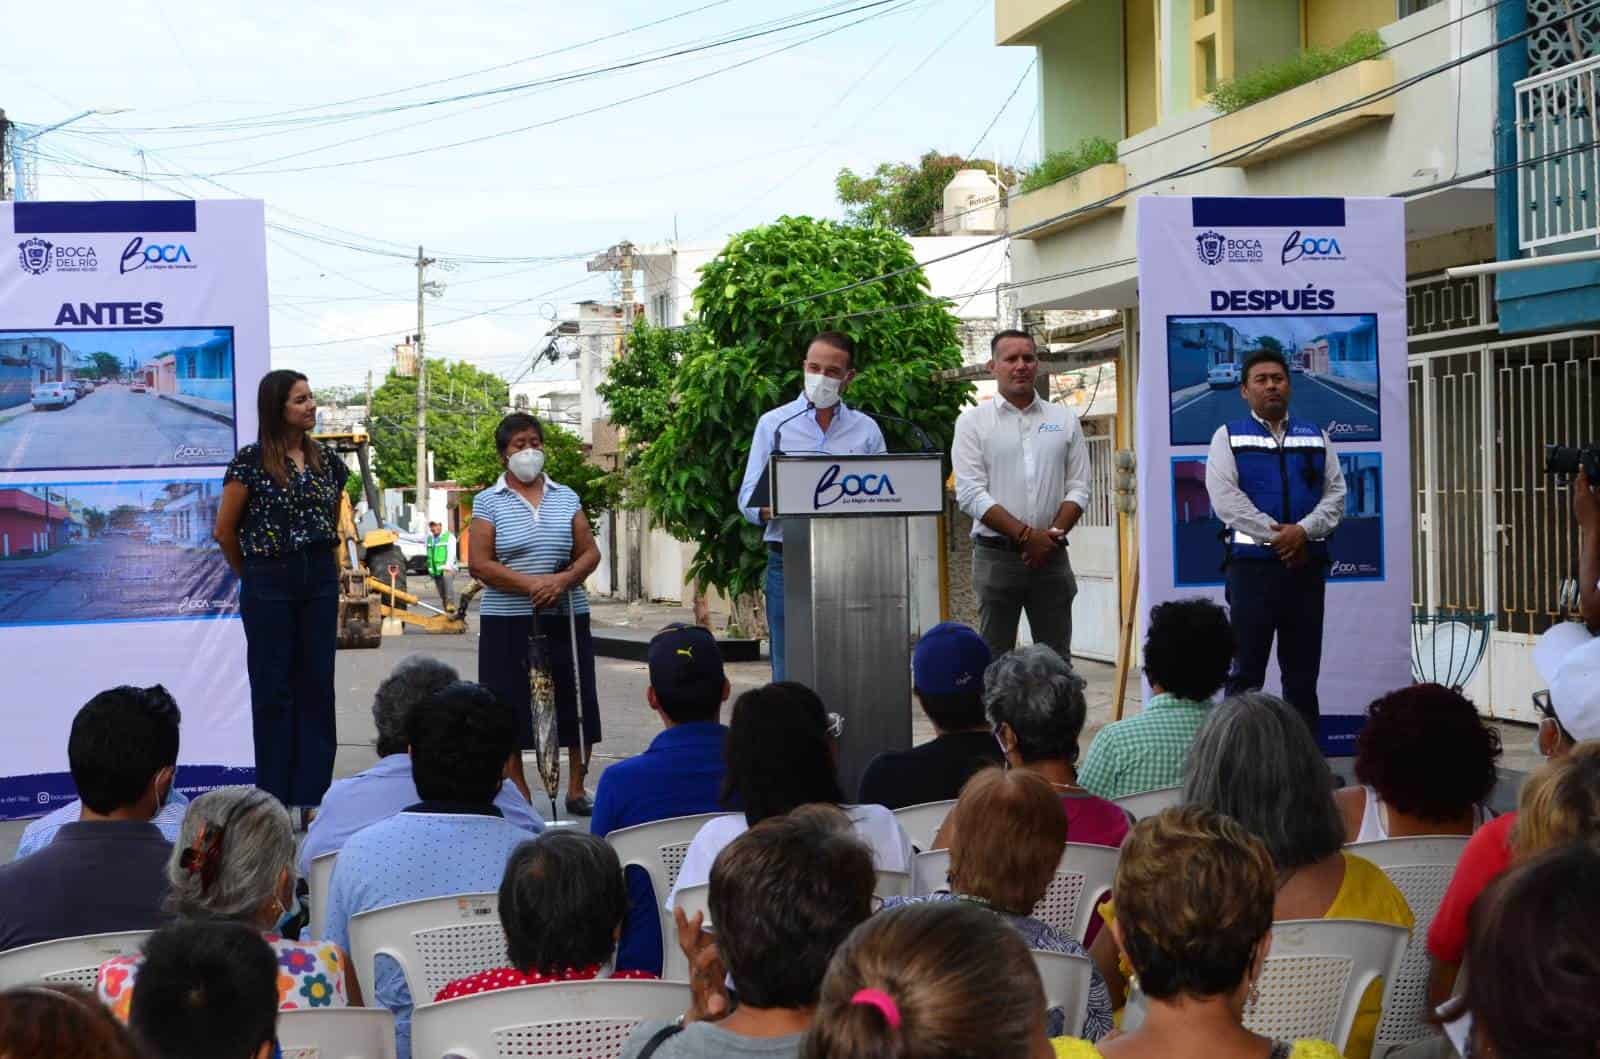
pixel 999 113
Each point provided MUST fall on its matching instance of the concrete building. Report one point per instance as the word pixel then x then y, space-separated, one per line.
pixel 27 361
pixel 552 390
pixel 30 524
pixel 1500 362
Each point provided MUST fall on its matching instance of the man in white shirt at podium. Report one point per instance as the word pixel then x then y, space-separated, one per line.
pixel 814 423
pixel 1022 475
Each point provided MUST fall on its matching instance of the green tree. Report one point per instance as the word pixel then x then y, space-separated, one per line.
pixel 95 520
pixel 106 366
pixel 905 197
pixel 759 303
pixel 564 461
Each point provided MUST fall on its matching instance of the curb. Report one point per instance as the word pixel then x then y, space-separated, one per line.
pixel 15 412
pixel 1344 387
pixel 208 413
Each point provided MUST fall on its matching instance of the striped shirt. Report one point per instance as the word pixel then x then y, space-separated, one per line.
pixel 1144 752
pixel 42 831
pixel 529 540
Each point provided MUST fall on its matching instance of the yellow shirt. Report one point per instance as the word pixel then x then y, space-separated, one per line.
pixel 1365 893
pixel 1072 1048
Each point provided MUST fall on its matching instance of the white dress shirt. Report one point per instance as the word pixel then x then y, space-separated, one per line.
pixel 1238 512
pixel 1027 460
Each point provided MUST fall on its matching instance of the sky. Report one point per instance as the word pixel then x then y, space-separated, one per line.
pixel 312 108
pixel 125 343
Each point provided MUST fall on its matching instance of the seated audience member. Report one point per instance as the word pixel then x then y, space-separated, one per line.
pixel 454 840
pixel 1195 894
pixel 1256 761
pixel 779 758
pixel 933 981
pixel 1538 929
pixel 208 991
pixel 107 871
pixel 1036 703
pixel 1187 651
pixel 1007 835
pixel 679 774
pixel 947 679
pixel 561 903
pixel 1425 761
pixel 1568 659
pixel 41 832
pixel 783 896
pixel 386 788
pixel 234 862
pixel 50 1021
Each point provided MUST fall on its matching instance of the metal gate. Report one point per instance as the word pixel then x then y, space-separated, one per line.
pixel 1492 532
pixel 1095 611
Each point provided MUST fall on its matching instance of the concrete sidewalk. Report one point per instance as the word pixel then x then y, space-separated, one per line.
pixel 222 411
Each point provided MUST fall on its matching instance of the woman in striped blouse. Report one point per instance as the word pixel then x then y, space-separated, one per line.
pixel 532 547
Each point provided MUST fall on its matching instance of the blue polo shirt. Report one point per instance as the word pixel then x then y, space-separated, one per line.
pixel 679 774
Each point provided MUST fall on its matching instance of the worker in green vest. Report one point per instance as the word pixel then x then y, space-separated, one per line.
pixel 441 561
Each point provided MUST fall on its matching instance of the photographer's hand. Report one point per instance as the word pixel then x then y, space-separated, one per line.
pixel 1586 509
pixel 1585 504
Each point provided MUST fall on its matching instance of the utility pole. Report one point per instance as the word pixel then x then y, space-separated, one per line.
pixel 423 287
pixel 636 519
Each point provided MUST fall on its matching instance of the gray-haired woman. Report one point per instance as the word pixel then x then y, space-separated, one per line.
pixel 234 860
pixel 1255 760
pixel 1035 702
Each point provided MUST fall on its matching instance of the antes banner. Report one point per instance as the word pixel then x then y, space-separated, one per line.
pixel 1320 282
pixel 131 337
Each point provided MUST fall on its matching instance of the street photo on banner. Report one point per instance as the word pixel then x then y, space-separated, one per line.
pixel 128 332
pixel 83 552
pixel 1333 368
pixel 1273 442
pixel 121 397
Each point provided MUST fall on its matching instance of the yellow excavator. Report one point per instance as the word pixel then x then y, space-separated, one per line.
pixel 372 569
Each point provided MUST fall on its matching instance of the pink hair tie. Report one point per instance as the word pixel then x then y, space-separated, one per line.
pixel 877 998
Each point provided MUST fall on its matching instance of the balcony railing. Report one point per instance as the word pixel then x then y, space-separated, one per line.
pixel 1558 155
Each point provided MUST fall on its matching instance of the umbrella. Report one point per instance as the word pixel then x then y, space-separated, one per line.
pixel 542 697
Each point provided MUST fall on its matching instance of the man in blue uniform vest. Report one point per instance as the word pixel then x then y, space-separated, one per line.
pixel 1275 483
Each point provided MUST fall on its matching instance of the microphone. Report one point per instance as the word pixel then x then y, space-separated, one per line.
pixel 922 435
pixel 777 435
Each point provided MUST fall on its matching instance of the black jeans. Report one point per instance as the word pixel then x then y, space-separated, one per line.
pixel 290 607
pixel 1266 598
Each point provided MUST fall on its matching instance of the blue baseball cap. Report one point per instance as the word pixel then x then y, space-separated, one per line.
pixel 685 664
pixel 949 660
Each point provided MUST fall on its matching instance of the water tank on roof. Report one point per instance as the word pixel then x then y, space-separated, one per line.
pixel 971 204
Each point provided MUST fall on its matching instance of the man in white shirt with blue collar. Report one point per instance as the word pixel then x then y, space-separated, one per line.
pixel 1022 474
pixel 815 422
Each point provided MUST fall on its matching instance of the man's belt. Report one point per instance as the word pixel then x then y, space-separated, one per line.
pixel 999 544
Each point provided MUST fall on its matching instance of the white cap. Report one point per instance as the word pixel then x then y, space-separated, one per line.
pixel 1568 658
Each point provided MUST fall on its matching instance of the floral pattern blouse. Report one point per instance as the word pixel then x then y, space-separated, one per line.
pixel 310 975
pixel 280 520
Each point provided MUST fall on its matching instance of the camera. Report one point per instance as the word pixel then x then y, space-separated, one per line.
pixel 1564 459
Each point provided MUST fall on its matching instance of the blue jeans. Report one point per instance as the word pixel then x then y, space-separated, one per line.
pixel 774 590
pixel 290 607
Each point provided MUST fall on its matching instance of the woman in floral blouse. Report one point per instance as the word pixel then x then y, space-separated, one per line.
pixel 234 860
pixel 278 525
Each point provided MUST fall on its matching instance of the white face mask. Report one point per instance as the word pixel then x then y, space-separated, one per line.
pixel 821 390
pixel 526 464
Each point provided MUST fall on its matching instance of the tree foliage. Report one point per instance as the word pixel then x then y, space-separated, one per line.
pixel 465 404
pixel 905 197
pixel 743 358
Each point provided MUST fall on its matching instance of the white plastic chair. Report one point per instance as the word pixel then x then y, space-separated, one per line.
pixel 1313 978
pixel 893 884
pixel 317 896
pixel 1083 877
pixel 435 941
pixel 68 961
pixel 922 822
pixel 1149 803
pixel 659 848
pixel 564 1020
pixel 1421 868
pixel 336 1033
pixel 1066 981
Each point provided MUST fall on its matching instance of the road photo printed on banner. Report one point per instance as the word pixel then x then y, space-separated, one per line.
pixel 1321 284
pixel 133 335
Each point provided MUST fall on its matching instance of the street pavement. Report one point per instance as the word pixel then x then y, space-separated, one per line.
pixel 115 577
pixel 114 427
pixel 1341 413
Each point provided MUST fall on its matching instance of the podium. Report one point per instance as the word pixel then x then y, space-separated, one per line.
pixel 847 588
